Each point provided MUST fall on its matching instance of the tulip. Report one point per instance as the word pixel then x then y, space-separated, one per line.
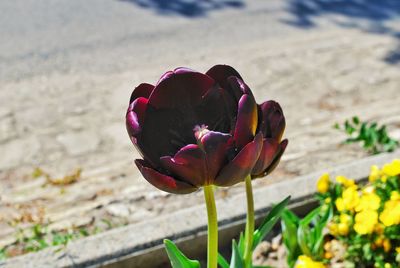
pixel 195 129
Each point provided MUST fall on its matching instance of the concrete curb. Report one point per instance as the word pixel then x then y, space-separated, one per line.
pixel 140 245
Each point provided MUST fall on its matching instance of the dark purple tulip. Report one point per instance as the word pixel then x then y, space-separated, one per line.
pixel 195 129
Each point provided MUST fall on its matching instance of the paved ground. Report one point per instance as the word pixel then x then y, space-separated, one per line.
pixel 67 69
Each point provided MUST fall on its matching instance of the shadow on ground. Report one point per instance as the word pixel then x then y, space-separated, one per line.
pixel 375 16
pixel 186 8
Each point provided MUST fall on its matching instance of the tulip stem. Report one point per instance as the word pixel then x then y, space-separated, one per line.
pixel 248 252
pixel 212 247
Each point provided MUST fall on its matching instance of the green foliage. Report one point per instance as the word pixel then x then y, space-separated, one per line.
pixel 304 236
pixel 38 237
pixel 290 223
pixel 222 261
pixel 237 257
pixel 269 221
pixel 374 138
pixel 177 258
pixel 3 254
pixel 259 234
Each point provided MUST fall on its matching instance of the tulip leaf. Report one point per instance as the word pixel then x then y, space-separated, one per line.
pixel 269 221
pixel 309 233
pixel 241 243
pixel 222 261
pixel 290 223
pixel 177 258
pixel 236 259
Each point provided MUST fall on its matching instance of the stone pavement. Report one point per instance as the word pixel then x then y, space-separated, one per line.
pixel 73 117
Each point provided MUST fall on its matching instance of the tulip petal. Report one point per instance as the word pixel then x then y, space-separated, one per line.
pixel 212 113
pixel 275 162
pixel 241 166
pixel 268 152
pixel 182 89
pixel 237 87
pixel 246 122
pixel 143 90
pixel 272 121
pixel 215 145
pixel 162 181
pixel 135 117
pixel 220 74
pixel 188 164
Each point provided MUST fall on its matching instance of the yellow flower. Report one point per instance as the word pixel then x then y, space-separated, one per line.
pixel 323 183
pixel 378 242
pixel 398 250
pixel 386 245
pixel 392 169
pixel 374 174
pixel 334 229
pixel 365 221
pixel 304 261
pixel 345 218
pixel 369 189
pixel 340 204
pixel 345 181
pixel 328 255
pixel 343 229
pixel 369 201
pixel 349 200
pixel 388 265
pixel 328 200
pixel 379 228
pixel 395 195
pixel 391 213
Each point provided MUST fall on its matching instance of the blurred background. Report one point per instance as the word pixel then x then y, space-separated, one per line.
pixel 67 69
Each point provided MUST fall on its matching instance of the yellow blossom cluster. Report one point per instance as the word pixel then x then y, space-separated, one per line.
pixel 341 228
pixel 346 182
pixel 349 200
pixel 392 169
pixel 366 218
pixel 304 261
pixel 391 212
pixel 388 170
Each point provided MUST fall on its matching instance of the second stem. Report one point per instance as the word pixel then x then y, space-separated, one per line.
pixel 249 224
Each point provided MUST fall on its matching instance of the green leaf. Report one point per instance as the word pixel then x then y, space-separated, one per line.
pixel 290 223
pixel 241 244
pixel 177 258
pixel 309 233
pixel 336 126
pixel 320 224
pixel 304 239
pixel 237 259
pixel 310 216
pixel 222 261
pixel 356 120
pixel 269 221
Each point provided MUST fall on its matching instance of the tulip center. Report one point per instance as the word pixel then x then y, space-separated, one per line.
pixel 199 132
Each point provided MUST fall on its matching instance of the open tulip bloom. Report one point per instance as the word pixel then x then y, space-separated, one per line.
pixel 197 130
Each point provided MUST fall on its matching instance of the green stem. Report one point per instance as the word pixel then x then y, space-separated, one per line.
pixel 248 252
pixel 212 248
